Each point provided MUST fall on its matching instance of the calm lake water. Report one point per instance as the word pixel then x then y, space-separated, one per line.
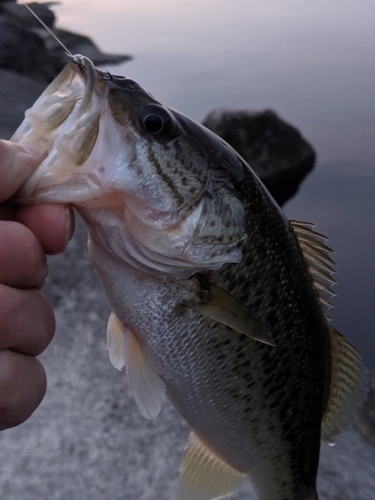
pixel 310 61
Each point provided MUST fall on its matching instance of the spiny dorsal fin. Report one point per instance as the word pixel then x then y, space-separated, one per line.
pixel 204 476
pixel 348 387
pixel 317 257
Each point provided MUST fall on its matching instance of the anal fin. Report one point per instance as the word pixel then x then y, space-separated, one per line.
pixel 205 476
pixel 348 388
pixel 125 349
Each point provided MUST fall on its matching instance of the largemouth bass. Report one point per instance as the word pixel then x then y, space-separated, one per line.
pixel 218 300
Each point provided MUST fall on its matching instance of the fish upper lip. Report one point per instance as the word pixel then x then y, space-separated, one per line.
pixel 89 74
pixel 85 65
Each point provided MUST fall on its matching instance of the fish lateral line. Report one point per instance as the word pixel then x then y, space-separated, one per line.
pixel 49 31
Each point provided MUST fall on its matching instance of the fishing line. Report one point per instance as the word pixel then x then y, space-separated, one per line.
pixel 67 51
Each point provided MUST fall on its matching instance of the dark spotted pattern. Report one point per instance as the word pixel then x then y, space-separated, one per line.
pixel 256 406
pixel 274 282
pixel 229 387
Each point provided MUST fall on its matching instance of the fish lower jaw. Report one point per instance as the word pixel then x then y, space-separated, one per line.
pixel 74 189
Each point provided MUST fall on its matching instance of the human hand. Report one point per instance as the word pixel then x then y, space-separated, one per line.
pixel 27 324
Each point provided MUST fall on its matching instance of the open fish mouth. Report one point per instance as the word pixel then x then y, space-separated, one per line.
pixel 64 124
pixel 111 146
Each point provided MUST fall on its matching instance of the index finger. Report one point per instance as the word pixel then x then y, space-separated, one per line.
pixel 17 163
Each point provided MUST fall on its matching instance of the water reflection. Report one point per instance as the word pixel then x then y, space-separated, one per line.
pixel 311 62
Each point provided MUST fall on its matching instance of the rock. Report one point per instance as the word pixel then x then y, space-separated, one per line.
pixel 29 49
pixel 77 44
pixel 274 149
pixel 24 51
pixel 22 16
pixel 30 58
pixel 17 93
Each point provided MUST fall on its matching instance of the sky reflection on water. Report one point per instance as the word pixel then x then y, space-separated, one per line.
pixel 312 62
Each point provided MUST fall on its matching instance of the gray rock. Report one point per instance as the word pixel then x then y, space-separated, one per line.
pixel 17 93
pixel 29 49
pixel 77 44
pixel 24 51
pixel 274 149
pixel 30 58
pixel 19 14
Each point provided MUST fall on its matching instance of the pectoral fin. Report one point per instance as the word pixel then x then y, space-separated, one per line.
pixel 204 476
pixel 116 341
pixel 126 349
pixel 219 305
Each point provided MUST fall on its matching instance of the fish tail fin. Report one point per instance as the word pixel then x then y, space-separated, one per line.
pixel 348 387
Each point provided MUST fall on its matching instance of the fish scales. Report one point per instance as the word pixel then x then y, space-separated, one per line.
pixel 298 317
pixel 256 407
pixel 215 300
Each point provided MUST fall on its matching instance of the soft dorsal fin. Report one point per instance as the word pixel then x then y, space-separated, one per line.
pixel 348 387
pixel 317 257
pixel 125 349
pixel 204 476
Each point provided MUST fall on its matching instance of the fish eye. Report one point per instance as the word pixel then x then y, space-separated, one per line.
pixel 155 120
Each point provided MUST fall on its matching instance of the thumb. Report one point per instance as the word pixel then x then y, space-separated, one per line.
pixel 17 163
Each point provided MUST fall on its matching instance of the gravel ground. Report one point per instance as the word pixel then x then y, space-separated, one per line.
pixel 88 441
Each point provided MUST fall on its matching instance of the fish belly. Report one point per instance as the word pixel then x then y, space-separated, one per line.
pixel 214 376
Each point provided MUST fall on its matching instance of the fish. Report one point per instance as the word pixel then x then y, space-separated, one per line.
pixel 219 302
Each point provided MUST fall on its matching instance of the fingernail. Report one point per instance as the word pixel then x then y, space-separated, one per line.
pixel 69 230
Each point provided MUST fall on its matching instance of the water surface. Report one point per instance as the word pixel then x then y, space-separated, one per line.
pixel 310 61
